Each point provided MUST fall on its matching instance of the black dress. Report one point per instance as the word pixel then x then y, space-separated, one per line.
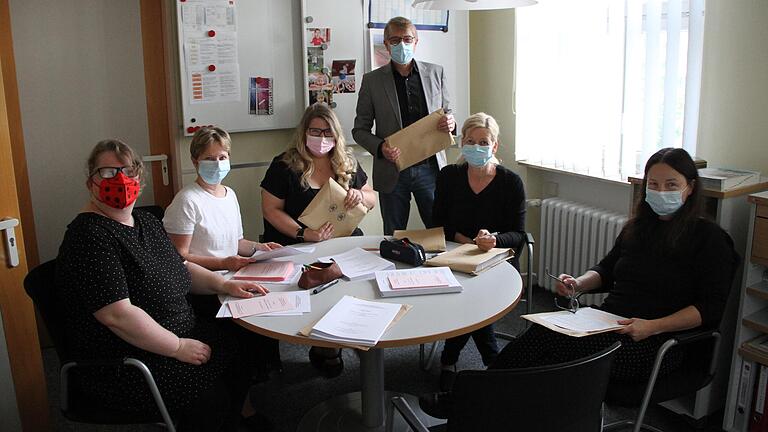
pixel 102 261
pixel 499 207
pixel 285 184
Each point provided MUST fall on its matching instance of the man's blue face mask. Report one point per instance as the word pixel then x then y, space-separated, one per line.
pixel 402 53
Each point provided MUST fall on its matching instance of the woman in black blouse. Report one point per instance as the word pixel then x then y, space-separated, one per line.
pixel 318 153
pixel 123 285
pixel 478 201
pixel 669 270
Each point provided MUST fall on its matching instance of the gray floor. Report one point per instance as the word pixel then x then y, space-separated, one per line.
pixel 288 396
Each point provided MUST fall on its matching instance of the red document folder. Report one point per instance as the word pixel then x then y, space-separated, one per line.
pixel 265 271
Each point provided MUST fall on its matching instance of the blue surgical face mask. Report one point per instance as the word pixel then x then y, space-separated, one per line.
pixel 213 172
pixel 402 53
pixel 664 203
pixel 477 155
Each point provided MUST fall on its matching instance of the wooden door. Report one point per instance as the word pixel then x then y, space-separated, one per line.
pixel 18 316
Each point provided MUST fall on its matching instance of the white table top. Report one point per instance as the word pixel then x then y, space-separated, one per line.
pixel 485 299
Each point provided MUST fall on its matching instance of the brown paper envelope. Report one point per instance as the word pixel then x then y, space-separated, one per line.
pixel 420 140
pixel 404 308
pixel 328 206
pixel 468 258
pixel 432 240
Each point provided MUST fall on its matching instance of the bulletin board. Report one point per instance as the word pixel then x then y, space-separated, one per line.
pixel 352 39
pixel 240 64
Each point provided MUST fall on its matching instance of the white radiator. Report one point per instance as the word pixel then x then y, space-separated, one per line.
pixel 574 237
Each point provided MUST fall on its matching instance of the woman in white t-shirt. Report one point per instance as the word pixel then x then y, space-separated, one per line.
pixel 203 221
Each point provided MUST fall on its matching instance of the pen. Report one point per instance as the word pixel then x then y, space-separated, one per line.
pixel 322 287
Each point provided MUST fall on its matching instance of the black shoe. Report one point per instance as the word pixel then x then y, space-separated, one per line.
pixel 447 377
pixel 437 405
pixel 257 423
pixel 329 366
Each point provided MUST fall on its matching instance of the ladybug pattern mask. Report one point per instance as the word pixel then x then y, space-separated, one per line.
pixel 119 191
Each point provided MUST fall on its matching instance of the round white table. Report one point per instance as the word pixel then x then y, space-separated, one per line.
pixel 485 299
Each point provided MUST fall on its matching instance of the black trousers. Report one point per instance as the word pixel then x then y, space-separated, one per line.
pixel 485 340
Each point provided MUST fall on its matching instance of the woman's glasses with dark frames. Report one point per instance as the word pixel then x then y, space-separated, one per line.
pixel 110 172
pixel 316 132
pixel 573 296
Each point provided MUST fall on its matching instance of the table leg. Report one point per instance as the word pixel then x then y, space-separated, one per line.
pixel 372 386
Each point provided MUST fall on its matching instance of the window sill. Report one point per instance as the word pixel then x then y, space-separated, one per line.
pixel 548 168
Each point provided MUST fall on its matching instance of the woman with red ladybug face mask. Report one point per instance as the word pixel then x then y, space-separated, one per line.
pixel 123 286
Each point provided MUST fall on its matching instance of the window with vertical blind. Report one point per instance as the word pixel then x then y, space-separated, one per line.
pixel 602 84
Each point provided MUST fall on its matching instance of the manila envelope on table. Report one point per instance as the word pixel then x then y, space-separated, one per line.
pixel 432 240
pixel 328 206
pixel 420 140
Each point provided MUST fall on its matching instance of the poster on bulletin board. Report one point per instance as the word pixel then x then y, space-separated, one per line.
pixel 239 64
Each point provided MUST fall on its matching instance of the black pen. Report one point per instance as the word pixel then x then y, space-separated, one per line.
pixel 322 287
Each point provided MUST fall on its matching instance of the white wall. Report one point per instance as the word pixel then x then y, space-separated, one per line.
pixel 81 79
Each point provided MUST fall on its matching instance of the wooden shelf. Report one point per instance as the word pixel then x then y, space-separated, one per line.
pixel 757 321
pixel 759 289
pixel 753 355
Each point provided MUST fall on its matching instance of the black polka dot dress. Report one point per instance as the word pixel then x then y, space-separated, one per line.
pixel 102 261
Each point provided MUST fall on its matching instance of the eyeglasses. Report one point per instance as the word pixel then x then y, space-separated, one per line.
pixel 110 172
pixel 573 296
pixel 395 40
pixel 316 132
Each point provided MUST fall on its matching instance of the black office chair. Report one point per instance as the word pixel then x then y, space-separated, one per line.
pixel 426 360
pixel 555 398
pixel 154 210
pixel 701 358
pixel 76 404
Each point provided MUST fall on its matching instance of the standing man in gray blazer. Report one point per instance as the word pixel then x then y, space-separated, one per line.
pixel 394 96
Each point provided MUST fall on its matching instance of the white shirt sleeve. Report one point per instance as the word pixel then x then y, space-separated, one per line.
pixel 181 216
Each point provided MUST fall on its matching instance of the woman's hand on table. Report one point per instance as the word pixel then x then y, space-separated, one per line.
pixel 244 289
pixel 484 240
pixel 236 262
pixel 638 328
pixel 192 351
pixel 324 233
pixel 354 197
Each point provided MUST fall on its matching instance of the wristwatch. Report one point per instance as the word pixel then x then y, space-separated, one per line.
pixel 300 235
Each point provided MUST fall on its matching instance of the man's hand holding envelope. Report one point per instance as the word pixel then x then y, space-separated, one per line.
pixel 420 140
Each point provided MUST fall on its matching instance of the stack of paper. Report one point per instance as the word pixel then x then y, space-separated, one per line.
pixel 407 282
pixel 722 179
pixel 432 240
pixel 280 252
pixel 356 322
pixel 586 321
pixel 469 258
pixel 265 271
pixel 359 264
pixel 271 304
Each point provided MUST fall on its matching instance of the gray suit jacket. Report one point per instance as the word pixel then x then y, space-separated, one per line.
pixel 377 101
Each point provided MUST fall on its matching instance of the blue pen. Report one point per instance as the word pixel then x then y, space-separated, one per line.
pixel 322 287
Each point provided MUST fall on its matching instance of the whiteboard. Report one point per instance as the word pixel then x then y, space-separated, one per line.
pixel 268 39
pixel 351 39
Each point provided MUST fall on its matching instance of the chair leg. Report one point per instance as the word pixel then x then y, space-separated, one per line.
pixel 425 362
pixel 154 390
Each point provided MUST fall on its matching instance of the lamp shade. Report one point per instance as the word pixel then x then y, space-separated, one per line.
pixel 470 4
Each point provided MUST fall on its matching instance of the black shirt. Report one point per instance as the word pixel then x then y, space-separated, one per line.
pixel 500 207
pixel 285 184
pixel 643 284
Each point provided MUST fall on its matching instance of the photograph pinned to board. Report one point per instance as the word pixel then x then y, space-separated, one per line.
pixel 343 76
pixel 319 81
pixel 321 96
pixel 260 96
pixel 314 60
pixel 316 37
pixel 379 54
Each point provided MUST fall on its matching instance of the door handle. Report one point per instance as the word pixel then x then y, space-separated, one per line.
pixel 9 234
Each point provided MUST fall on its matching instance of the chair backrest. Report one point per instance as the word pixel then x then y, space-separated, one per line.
pixel 40 287
pixel 154 210
pixel 561 397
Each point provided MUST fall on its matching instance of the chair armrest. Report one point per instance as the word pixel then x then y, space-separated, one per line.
pixel 694 335
pixel 529 238
pixel 405 410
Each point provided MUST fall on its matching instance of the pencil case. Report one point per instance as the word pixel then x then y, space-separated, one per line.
pixel 318 273
pixel 402 250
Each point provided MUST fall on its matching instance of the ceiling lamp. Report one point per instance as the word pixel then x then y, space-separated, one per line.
pixel 470 4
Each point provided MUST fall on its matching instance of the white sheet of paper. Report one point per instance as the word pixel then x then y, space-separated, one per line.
pixel 281 252
pixel 416 280
pixel 586 319
pixel 359 264
pixel 356 320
